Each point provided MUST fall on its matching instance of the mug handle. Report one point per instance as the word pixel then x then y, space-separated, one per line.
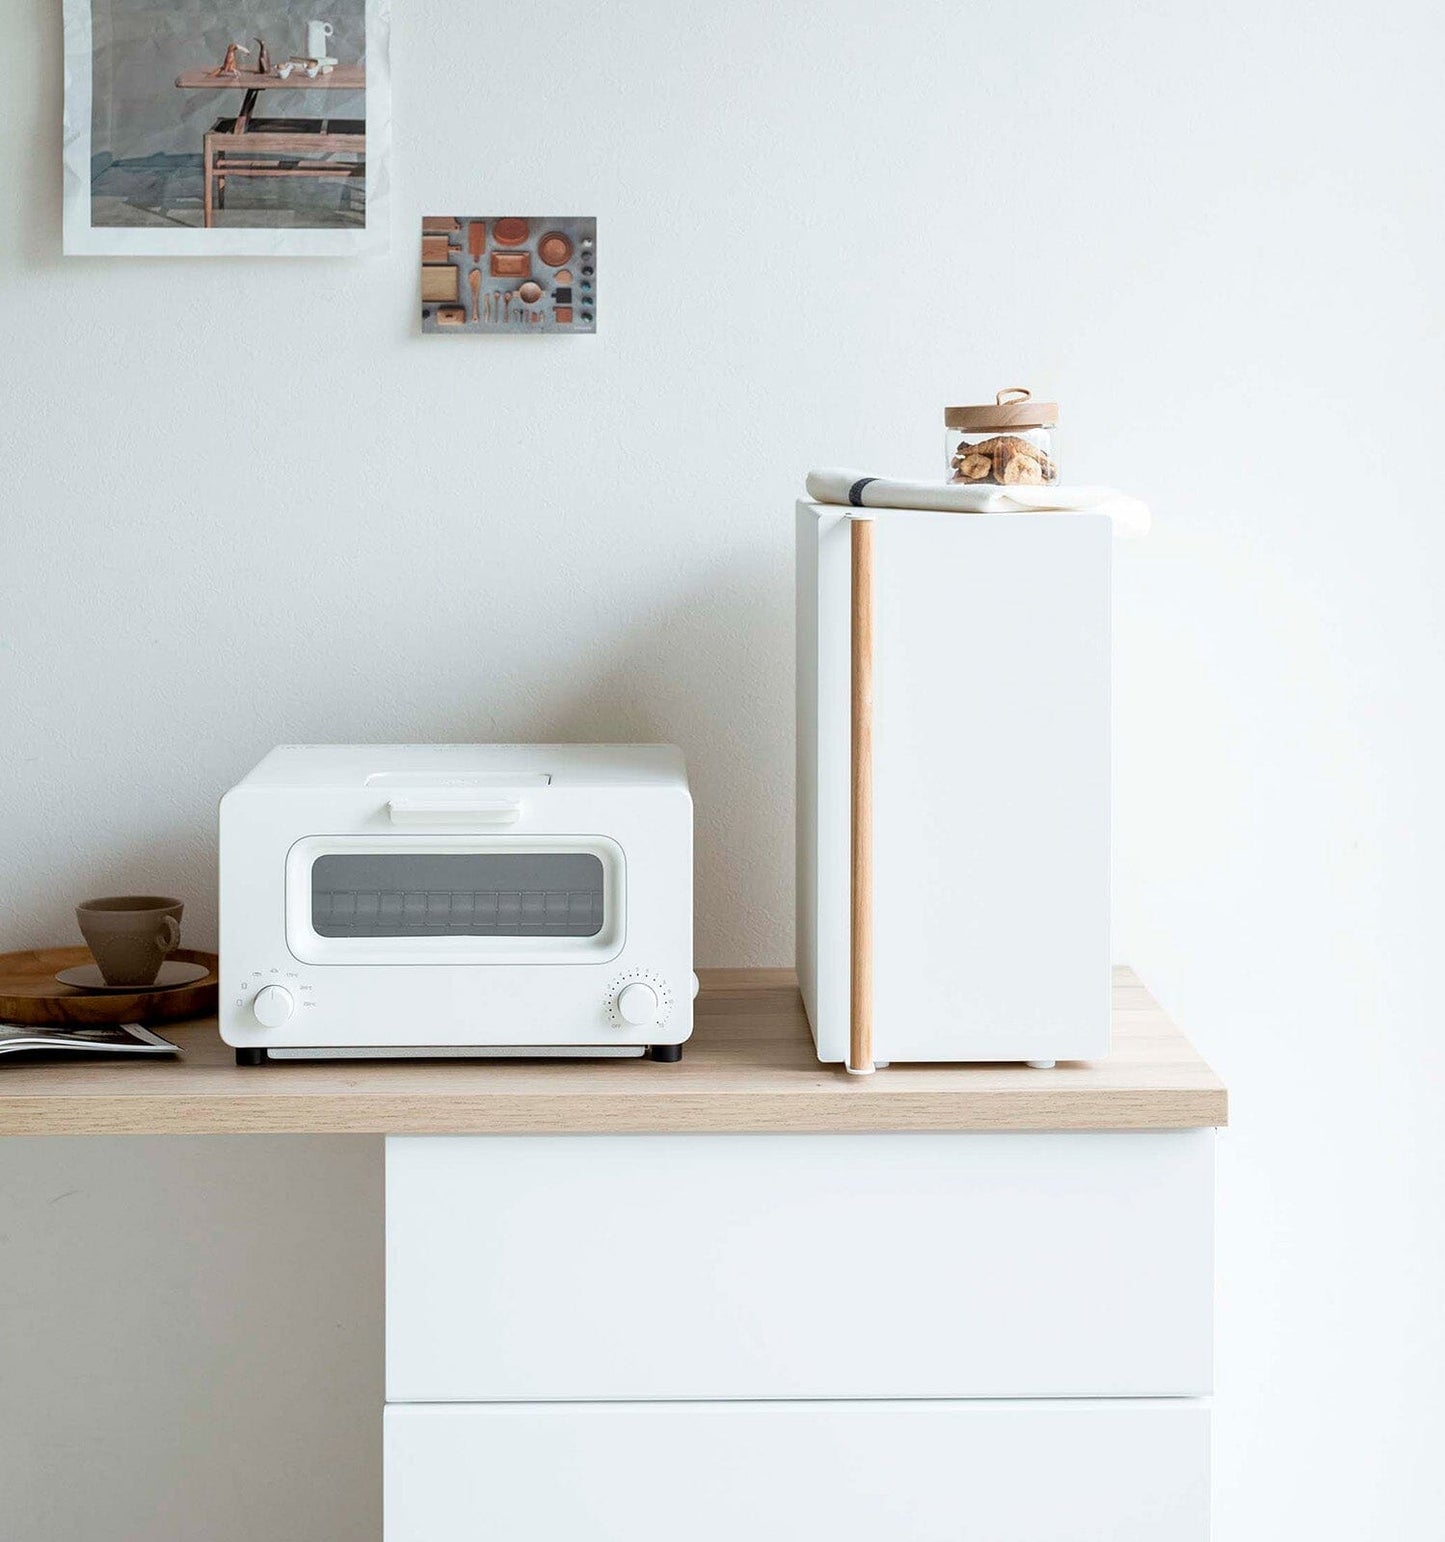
pixel 329 29
pixel 169 934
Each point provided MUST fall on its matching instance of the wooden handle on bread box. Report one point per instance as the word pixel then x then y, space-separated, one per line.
pixel 860 1032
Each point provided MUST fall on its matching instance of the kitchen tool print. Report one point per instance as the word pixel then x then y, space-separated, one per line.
pixel 508 273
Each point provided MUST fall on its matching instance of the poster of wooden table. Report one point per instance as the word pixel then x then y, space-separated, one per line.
pixel 249 130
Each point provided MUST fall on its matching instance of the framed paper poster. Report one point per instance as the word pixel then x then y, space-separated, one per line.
pixel 253 127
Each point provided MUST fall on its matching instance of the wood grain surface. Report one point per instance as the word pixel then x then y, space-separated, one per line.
pixel 749 1066
pixel 30 993
pixel 345 77
pixel 438 282
pixel 860 976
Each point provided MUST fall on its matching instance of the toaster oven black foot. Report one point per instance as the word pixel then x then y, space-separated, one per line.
pixel 250 1057
pixel 668 1052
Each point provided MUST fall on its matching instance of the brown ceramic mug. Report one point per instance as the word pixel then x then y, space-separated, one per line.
pixel 130 935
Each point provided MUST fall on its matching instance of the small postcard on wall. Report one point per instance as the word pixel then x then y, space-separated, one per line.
pixel 509 273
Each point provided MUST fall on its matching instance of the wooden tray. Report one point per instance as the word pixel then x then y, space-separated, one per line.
pixel 30 993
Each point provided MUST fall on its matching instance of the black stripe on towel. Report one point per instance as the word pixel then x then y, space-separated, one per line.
pixel 855 493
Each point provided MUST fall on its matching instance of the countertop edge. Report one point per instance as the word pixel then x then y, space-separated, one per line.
pixel 801 1113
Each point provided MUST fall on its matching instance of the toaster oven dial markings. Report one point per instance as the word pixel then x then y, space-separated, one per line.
pixel 639 999
pixel 637 1004
pixel 273 1006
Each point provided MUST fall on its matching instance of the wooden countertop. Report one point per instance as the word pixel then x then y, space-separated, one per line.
pixel 748 1066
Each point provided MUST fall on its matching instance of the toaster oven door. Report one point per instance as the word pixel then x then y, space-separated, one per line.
pixel 483 899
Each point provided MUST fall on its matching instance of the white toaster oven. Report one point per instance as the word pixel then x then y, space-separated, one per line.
pixel 457 900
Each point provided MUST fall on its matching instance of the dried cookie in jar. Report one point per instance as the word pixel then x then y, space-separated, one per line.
pixel 1006 442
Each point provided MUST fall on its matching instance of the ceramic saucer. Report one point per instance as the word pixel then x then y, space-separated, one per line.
pixel 174 972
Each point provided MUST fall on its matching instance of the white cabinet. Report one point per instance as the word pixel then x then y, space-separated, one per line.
pixel 991 730
pixel 1127 1471
pixel 957 1337
pixel 799 1266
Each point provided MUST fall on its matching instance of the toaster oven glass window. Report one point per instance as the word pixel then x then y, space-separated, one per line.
pixel 478 894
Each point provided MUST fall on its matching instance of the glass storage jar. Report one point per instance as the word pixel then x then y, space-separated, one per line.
pixel 1006 442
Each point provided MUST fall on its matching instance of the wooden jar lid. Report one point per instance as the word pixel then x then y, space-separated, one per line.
pixel 1020 411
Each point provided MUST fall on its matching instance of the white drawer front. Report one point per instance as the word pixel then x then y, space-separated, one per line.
pixel 852 1472
pixel 798 1266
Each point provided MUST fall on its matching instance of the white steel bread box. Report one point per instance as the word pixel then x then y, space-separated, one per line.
pixel 953 678
pixel 457 899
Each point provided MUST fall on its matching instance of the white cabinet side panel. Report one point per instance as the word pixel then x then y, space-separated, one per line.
pixel 824 674
pixel 880 1472
pixel 799 1266
pixel 805 832
pixel 991 787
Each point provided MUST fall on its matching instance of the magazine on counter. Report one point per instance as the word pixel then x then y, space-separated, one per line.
pixel 85 1039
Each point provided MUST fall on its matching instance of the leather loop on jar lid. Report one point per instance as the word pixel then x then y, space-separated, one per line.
pixel 1013 407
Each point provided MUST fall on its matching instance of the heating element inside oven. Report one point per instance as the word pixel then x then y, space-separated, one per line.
pixel 457 894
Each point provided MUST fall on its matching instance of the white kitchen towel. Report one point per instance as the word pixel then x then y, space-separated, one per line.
pixel 861 491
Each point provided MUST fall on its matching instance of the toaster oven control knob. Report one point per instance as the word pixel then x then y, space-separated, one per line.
pixel 273 1006
pixel 638 1004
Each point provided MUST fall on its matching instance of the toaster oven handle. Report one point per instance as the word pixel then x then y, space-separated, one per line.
pixel 455 813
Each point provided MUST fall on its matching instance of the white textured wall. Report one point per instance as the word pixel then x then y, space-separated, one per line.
pixel 245 503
